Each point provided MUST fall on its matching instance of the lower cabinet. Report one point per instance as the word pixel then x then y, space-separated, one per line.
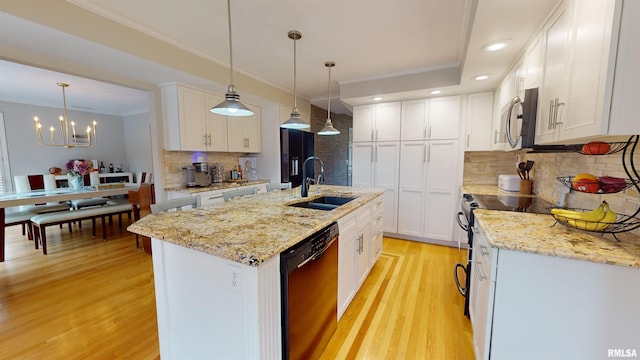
pixel 532 306
pixel 213 197
pixel 360 246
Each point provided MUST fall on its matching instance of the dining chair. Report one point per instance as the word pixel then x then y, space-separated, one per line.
pixel 144 177
pixel 228 195
pixel 141 201
pixel 176 204
pixel 278 186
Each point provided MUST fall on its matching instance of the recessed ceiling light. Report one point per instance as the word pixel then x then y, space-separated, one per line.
pixel 377 98
pixel 481 77
pixel 495 46
pixel 435 92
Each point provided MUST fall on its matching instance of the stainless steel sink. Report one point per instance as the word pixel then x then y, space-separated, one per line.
pixel 323 203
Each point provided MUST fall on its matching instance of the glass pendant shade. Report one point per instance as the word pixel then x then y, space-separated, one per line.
pixel 295 121
pixel 328 125
pixel 231 106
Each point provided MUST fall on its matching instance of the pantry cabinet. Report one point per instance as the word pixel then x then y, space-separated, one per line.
pixel 586 71
pixel 377 122
pixel 444 117
pixel 375 165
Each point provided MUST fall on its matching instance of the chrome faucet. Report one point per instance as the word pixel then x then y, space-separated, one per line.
pixel 306 181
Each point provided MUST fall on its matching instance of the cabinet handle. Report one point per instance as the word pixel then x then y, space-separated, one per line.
pixel 209 136
pixel 555 121
pixel 361 243
pixel 424 132
pixel 483 250
pixel 215 197
pixel 496 135
pixel 371 134
pixel 376 133
pixel 429 133
pixel 468 135
pixel 551 106
pixel 429 153
pixel 375 154
pixel 424 153
pixel 479 271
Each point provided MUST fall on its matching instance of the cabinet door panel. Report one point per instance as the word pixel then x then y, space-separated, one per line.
pixel 413 165
pixel 414 119
pixel 363 123
pixel 216 125
pixel 191 105
pixel 386 157
pixel 479 121
pixel 363 164
pixel 441 190
pixel 387 125
pixel 444 117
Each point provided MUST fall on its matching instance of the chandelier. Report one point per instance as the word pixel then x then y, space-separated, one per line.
pixel 70 138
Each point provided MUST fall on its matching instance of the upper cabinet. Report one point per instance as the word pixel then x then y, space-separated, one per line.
pixel 587 45
pixel 414 122
pixel 190 126
pixel 479 120
pixel 243 132
pixel 444 117
pixel 379 122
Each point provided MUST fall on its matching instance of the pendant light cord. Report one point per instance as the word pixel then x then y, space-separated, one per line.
pixel 329 95
pixel 294 73
pixel 230 47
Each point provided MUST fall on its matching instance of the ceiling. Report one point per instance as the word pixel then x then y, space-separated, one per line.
pixel 400 48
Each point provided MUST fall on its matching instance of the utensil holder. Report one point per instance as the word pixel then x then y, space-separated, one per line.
pixel 526 187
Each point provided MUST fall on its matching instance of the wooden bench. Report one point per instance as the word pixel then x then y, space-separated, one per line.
pixel 41 221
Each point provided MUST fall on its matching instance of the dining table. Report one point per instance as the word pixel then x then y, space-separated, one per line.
pixel 12 199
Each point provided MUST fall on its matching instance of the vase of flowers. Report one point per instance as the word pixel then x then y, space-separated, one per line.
pixel 77 169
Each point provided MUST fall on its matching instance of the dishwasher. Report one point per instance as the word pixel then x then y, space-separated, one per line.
pixel 309 283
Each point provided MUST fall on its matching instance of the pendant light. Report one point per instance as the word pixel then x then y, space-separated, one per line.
pixel 328 125
pixel 231 106
pixel 295 122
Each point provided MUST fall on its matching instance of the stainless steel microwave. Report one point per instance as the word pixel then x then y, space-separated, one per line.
pixel 519 119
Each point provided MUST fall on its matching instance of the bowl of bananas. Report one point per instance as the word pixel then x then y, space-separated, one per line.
pixel 598 219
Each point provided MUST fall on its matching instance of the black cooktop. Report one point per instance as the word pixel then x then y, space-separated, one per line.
pixel 514 203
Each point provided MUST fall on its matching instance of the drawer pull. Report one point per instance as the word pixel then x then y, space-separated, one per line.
pixel 483 250
pixel 479 271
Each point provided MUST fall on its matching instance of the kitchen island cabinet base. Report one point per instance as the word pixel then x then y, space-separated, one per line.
pixel 210 307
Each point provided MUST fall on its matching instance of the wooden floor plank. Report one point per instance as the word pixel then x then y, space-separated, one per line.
pixel 90 298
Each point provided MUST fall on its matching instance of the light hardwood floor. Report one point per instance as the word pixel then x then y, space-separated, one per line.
pixel 94 299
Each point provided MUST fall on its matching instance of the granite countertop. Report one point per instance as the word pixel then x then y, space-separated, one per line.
pixel 536 233
pixel 252 228
pixel 216 186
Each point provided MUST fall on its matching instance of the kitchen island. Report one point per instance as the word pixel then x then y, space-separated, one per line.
pixel 216 270
pixel 545 291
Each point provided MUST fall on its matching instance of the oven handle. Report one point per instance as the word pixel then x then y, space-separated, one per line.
pixel 462 290
pixel 318 254
pixel 464 227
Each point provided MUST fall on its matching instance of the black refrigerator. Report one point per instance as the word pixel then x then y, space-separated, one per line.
pixel 295 147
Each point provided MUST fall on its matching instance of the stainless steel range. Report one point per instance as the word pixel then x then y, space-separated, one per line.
pixel 465 220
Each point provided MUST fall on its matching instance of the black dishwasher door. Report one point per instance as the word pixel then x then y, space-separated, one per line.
pixel 309 282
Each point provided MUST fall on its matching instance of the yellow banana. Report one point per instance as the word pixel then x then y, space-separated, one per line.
pixel 609 218
pixel 594 215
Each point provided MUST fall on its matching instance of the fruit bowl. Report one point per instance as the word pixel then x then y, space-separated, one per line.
pixel 603 185
pixel 599 148
pixel 623 223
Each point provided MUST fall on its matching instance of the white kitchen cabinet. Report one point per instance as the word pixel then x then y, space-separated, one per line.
pixel 532 64
pixel 531 306
pixel 375 165
pixel 441 190
pixel 585 71
pixel 444 117
pixel 358 250
pixel 414 123
pixel 377 122
pixel 244 132
pixel 184 118
pixel 215 125
pixel 479 120
pixel 412 187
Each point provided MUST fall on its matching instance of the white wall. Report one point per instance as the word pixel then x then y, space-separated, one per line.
pixel 27 157
pixel 137 139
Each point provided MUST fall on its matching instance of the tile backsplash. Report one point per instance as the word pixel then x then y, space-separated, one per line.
pixel 484 168
pixel 174 161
